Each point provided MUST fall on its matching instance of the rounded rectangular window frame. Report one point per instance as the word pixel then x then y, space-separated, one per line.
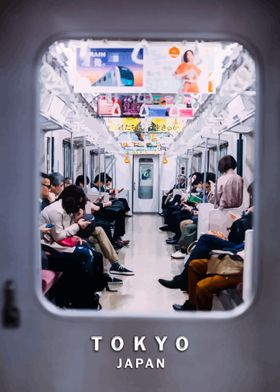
pixel 242 309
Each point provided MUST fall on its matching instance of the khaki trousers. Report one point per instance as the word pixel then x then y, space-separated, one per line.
pixel 102 243
pixel 202 286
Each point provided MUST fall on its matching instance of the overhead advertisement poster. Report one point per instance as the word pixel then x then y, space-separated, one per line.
pixel 180 69
pixel 152 124
pixel 143 105
pixel 163 67
pixel 109 69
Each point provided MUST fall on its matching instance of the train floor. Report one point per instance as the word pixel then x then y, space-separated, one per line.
pixel 149 257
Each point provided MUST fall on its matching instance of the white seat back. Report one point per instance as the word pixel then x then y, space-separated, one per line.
pixel 220 219
pixel 93 196
pixel 203 217
pixel 177 192
pixel 248 266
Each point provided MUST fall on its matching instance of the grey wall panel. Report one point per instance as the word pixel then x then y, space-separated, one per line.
pixel 49 353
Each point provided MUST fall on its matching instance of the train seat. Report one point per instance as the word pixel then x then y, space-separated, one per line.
pixel 203 217
pixel 93 196
pixel 48 279
pixel 220 220
pixel 234 296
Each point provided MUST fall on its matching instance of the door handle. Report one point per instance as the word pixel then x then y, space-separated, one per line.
pixel 10 312
pixel 134 185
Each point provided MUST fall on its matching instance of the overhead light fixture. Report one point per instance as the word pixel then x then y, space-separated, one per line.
pixel 164 160
pixel 126 158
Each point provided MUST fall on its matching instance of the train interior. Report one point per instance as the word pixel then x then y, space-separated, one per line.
pixel 128 113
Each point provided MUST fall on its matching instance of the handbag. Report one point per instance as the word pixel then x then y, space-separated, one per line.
pixel 239 227
pixel 188 236
pixel 225 264
pixel 69 241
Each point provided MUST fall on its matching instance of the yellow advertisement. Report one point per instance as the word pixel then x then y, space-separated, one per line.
pixel 152 125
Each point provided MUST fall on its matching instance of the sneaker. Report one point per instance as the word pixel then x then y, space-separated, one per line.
pixel 122 242
pixel 178 255
pixel 119 269
pixel 114 281
pixel 172 241
pixel 164 228
pixel 187 305
pixel 117 246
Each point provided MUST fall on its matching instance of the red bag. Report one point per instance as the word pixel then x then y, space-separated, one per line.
pixel 69 241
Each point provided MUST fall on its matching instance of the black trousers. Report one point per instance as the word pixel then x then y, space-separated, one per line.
pixel 125 204
pixel 176 218
pixel 117 215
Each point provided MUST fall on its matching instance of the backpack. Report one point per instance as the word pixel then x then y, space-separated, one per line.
pixel 77 287
pixel 189 235
pixel 239 227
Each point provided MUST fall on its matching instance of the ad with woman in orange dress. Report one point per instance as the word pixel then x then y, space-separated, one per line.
pixel 189 73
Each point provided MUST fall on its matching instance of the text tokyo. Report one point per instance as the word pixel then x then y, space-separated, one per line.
pixel 117 343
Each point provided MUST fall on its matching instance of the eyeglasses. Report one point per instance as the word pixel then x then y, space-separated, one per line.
pixel 47 186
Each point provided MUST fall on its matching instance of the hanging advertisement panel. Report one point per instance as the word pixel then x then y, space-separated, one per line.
pixel 142 125
pixel 109 69
pixel 181 69
pixel 166 68
pixel 143 105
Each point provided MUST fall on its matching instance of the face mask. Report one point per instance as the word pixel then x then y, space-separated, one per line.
pixel 198 189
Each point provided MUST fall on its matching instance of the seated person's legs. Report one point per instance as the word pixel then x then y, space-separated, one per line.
pixel 206 244
pixel 207 287
pixel 108 251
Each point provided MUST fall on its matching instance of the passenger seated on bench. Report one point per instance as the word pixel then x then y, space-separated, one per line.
pixel 202 287
pixel 98 238
pixel 57 183
pixel 45 191
pixel 229 185
pixel 207 243
pixel 95 208
pixel 67 182
pixel 77 258
pixel 114 213
pixel 65 214
pixel 114 193
pixel 168 196
pixel 186 210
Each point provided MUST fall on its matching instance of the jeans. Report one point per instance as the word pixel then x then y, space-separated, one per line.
pixel 206 244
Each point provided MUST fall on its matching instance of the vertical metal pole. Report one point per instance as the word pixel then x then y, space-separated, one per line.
pixel 105 169
pixel 186 173
pixel 114 172
pixel 176 171
pixel 239 159
pixel 84 165
pixel 217 171
pixel 99 169
pixel 205 168
pixel 72 157
pixel 191 167
pixel 91 167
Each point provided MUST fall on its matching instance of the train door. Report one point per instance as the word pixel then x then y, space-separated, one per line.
pixel 46 349
pixel 145 184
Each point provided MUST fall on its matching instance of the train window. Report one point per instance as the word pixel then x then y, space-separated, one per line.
pixel 150 135
pixel 145 189
pixel 67 159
